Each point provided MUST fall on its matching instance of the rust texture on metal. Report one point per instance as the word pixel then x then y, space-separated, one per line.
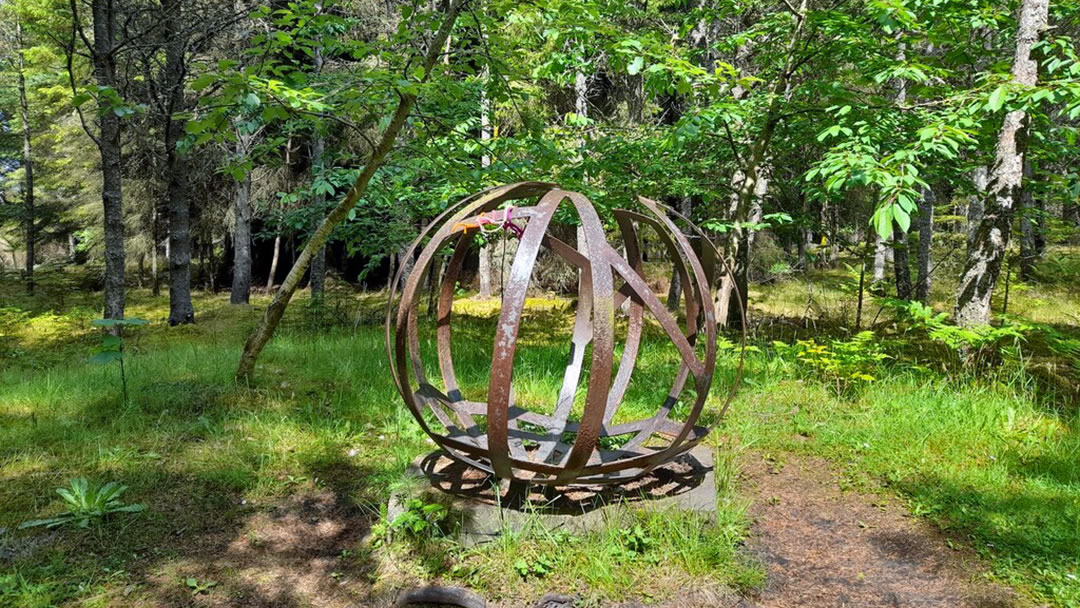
pixel 566 445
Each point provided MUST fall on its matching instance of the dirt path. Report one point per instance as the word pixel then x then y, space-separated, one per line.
pixel 826 548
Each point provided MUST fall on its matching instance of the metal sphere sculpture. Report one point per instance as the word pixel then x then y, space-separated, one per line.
pixel 559 448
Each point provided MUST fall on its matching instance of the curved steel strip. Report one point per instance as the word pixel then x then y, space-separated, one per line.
pixel 679 262
pixel 704 380
pixel 634 324
pixel 592 420
pixel 742 314
pixel 396 349
pixel 579 342
pixel 502 359
pixel 652 302
pixel 691 296
pixel 505 192
pixel 444 332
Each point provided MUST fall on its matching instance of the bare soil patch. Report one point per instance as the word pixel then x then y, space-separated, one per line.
pixel 826 547
pixel 301 551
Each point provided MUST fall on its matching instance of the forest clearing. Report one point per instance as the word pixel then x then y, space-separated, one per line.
pixel 265 265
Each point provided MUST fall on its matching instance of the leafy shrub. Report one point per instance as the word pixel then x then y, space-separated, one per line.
pixel 112 346
pixel 419 521
pixel 844 364
pixel 977 346
pixel 86 503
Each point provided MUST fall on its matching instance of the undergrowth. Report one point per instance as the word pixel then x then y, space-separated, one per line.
pixel 985 448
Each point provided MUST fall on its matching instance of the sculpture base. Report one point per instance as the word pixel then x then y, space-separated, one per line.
pixel 487 509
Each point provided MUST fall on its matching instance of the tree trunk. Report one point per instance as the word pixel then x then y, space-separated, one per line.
pixel 263 332
pixel 28 163
pixel 317 281
pixel 108 142
pixel 241 279
pixel 746 208
pixel 901 266
pixel 983 265
pixel 748 189
pixel 274 263
pixel 980 178
pixel 485 270
pixel 926 241
pixel 181 310
pixel 155 279
pixel 1029 228
pixel 880 262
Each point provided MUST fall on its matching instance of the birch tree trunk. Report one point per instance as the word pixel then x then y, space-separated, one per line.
pixel 926 241
pixel 155 278
pixel 265 330
pixel 984 258
pixel 1029 228
pixel 485 270
pixel 274 263
pixel 980 178
pixel 901 266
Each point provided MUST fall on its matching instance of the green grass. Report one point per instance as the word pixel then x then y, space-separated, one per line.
pixel 980 458
pixel 198 450
pixel 988 456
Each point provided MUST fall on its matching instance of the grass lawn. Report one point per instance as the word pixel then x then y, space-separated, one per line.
pixel 988 457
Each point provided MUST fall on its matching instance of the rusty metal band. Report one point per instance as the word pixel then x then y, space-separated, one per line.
pixel 505 447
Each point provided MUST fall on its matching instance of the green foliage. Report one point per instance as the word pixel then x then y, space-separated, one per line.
pixel 842 364
pixel 976 346
pixel 418 521
pixel 86 503
pixel 112 346
pixel 198 587
pixel 536 567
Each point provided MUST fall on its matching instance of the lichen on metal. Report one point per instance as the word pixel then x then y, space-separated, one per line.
pixel 563 446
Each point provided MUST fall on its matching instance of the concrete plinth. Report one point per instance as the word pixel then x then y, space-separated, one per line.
pixel 487 510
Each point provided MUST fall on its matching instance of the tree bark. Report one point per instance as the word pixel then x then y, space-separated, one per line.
pixel 108 141
pixel 485 270
pixel 980 178
pixel 880 262
pixel 241 279
pixel 1029 228
pixel 926 241
pixel 317 281
pixel 901 266
pixel 181 310
pixel 265 330
pixel 28 163
pixel 983 265
pixel 155 279
pixel 749 190
pixel 274 263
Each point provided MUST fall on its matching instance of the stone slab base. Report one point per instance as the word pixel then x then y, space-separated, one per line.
pixel 487 509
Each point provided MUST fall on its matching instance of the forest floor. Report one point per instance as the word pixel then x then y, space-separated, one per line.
pixel 828 547
pixel 922 488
